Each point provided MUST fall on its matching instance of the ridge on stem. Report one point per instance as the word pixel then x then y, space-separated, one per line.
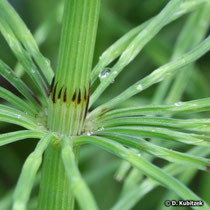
pixel 70 88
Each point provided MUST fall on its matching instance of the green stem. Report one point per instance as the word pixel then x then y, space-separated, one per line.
pixel 69 97
pixel 70 87
pixel 55 192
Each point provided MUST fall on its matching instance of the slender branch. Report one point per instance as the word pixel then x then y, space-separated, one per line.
pixel 200 105
pixel 137 45
pixel 139 143
pixel 197 125
pixel 9 75
pixel 157 76
pixel 191 35
pixel 23 58
pixel 12 115
pixel 134 195
pixel 116 49
pixel 25 36
pixel 28 173
pixel 163 133
pixel 11 137
pixel 17 101
pixel 78 186
pixel 143 165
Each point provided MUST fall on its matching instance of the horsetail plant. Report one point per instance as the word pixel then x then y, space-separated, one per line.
pixel 62 112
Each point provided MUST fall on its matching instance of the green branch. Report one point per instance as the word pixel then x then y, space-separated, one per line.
pixel 161 133
pixel 137 45
pixel 17 101
pixel 24 35
pixel 200 105
pixel 9 75
pixel 79 187
pixel 134 195
pixel 143 165
pixel 28 173
pixel 156 76
pixel 11 137
pixel 116 49
pixel 12 115
pixel 139 143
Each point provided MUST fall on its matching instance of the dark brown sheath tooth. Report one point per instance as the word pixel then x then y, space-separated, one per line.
pixel 34 96
pixel 85 96
pixel 36 99
pixel 89 90
pixel 46 89
pixel 86 108
pixel 54 92
pixel 52 84
pixel 65 95
pixel 74 95
pixel 79 97
pixel 208 168
pixel 59 94
pixel 88 98
pixel 104 109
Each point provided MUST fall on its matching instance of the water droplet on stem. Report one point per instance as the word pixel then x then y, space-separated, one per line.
pixel 178 103
pixel 139 87
pixel 104 74
pixel 101 129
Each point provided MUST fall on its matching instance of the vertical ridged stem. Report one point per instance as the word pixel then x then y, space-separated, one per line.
pixel 70 88
pixel 69 97
pixel 55 190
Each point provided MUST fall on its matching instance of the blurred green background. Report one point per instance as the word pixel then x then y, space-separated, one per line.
pixel 98 167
